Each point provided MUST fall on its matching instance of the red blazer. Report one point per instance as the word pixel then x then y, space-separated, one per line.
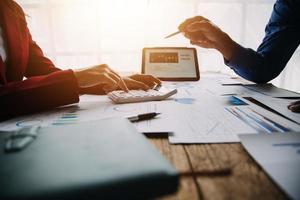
pixel 45 87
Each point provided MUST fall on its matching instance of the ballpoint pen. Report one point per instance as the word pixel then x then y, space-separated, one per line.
pixel 143 117
pixel 173 34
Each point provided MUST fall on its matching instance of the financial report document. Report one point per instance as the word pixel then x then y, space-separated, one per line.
pixel 201 112
pixel 205 115
pixel 93 108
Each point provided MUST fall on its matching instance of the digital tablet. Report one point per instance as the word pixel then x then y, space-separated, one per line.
pixel 171 63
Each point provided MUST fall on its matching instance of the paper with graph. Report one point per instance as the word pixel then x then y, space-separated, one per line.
pixel 95 108
pixel 201 112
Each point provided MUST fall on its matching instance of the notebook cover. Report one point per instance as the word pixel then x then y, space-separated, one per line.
pixel 100 159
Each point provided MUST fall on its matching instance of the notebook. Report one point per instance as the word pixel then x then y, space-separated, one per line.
pixel 95 160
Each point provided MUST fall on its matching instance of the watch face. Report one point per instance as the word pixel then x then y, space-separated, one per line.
pixel 171 63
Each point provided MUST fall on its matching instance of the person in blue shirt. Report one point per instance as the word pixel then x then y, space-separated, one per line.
pixel 267 62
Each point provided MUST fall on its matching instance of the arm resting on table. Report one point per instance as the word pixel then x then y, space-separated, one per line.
pixel 38 93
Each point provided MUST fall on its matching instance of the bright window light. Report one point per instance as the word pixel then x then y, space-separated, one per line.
pixel 81 33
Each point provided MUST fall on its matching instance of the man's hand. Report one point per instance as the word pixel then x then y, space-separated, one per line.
pixel 295 106
pixel 202 32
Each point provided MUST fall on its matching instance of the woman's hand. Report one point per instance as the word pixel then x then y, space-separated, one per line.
pixel 102 80
pixel 100 75
pixel 202 32
pixel 141 82
pixel 295 106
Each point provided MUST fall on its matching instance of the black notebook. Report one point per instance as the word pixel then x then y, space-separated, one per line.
pixel 95 160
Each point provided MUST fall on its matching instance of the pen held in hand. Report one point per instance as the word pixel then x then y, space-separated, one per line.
pixel 173 34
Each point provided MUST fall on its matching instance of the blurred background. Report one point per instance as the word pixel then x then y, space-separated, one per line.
pixel 81 33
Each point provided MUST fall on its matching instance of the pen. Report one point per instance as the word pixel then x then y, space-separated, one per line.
pixel 171 35
pixel 142 117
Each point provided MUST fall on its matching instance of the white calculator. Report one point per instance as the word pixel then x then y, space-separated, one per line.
pixel 133 96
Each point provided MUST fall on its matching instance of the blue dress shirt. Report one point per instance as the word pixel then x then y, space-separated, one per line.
pixel 280 42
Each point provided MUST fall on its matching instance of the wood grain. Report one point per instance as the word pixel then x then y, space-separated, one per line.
pixel 246 181
pixel 174 153
pixel 197 164
pixel 178 157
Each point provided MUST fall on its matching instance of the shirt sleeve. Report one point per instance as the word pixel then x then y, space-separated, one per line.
pixel 280 42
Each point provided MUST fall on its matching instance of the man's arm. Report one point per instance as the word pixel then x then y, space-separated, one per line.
pixel 281 40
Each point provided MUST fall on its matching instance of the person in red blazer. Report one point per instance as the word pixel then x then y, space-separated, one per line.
pixel 30 82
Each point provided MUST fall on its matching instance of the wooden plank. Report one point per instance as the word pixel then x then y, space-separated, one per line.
pixel 187 190
pixel 178 157
pixel 246 181
pixel 174 153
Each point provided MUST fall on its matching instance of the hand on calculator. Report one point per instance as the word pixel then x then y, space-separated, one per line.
pixel 141 81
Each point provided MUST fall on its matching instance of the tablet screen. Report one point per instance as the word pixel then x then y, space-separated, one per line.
pixel 171 63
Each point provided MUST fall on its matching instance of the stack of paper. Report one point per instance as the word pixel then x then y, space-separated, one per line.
pixel 279 155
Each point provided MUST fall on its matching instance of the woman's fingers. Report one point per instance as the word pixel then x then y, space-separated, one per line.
pixel 146 79
pixel 119 81
pixel 110 80
pixel 136 85
pixel 105 69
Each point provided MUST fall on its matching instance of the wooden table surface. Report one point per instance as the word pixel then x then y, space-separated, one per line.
pixel 217 171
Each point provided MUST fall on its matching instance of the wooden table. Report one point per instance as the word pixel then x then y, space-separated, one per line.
pixel 217 171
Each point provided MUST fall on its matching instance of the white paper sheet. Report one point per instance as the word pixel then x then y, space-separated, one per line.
pixel 272 91
pixel 207 125
pixel 198 113
pixel 94 108
pixel 279 155
pixel 280 105
pixel 215 121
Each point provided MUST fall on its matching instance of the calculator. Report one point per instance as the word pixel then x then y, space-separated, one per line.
pixel 133 96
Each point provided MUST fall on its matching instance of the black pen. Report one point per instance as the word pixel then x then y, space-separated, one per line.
pixel 143 117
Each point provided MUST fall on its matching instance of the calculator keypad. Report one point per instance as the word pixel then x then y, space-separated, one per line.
pixel 139 95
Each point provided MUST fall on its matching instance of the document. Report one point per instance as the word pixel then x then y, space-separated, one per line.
pixel 201 112
pixel 224 86
pixel 207 125
pixel 272 91
pixel 227 90
pixel 279 105
pixel 221 123
pixel 279 155
pixel 93 108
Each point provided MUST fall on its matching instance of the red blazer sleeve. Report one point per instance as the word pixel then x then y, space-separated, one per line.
pixel 38 93
pixel 38 64
pixel 46 87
